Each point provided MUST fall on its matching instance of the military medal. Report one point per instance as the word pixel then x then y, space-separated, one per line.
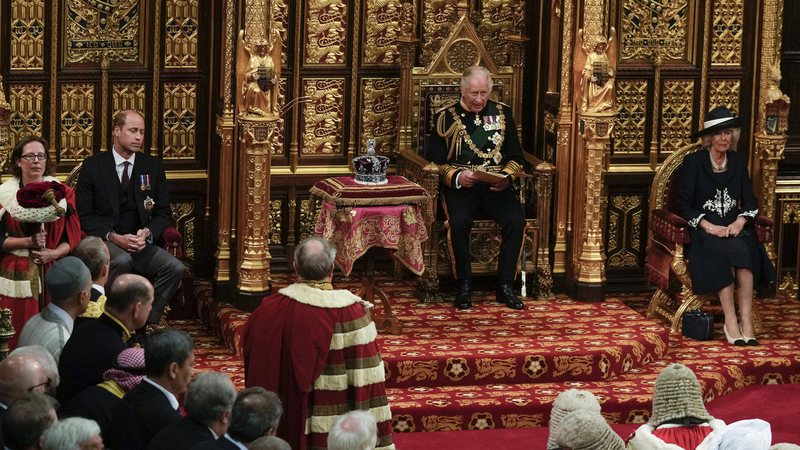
pixel 477 119
pixel 144 183
pixel 149 203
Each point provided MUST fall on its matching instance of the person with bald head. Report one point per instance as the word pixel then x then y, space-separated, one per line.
pixel 123 198
pixel 345 368
pixel 94 346
pixel 20 374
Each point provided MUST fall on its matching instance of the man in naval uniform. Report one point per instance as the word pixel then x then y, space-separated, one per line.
pixel 472 135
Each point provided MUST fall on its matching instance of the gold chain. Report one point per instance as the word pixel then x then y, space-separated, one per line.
pixel 468 139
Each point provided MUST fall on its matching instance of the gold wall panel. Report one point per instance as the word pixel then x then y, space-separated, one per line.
pixel 180 34
pixel 323 116
pixel 280 128
pixel 624 223
pixel 183 213
pixel 725 92
pixel 77 121
pixel 308 219
pixel 26 110
pixel 438 17
pixel 326 32
pixel 179 120
pixel 275 210
pixel 379 102
pixel 27 35
pixel 676 114
pixel 382 26
pixel 629 133
pixel 94 27
pixel 499 19
pixel 128 96
pixel 726 33
pixel 282 26
pixel 642 20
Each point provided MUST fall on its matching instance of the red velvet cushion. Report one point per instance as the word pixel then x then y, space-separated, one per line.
pixel 344 191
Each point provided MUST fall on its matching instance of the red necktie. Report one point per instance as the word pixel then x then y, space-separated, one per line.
pixel 125 178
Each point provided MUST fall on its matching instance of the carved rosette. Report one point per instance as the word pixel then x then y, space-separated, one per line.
pixel 254 194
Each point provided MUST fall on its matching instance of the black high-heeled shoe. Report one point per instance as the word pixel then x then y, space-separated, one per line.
pixel 739 341
pixel 749 340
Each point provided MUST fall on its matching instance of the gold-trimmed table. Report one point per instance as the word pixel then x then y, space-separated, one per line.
pixel 357 217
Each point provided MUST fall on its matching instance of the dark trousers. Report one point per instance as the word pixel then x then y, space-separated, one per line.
pixel 504 207
pixel 153 263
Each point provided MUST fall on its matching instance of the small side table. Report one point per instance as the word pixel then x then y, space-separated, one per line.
pixel 357 217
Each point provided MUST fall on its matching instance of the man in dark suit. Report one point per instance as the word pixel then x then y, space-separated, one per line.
pixel 153 404
pixel 123 198
pixel 256 413
pixel 94 253
pixel 208 404
pixel 94 346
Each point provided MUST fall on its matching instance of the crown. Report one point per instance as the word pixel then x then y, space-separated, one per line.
pixel 370 168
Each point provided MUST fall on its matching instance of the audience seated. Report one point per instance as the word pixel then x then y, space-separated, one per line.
pixel 208 405
pixel 27 419
pixel 68 284
pixel 269 443
pixel 94 346
pixel 19 374
pixel 566 402
pixel 94 253
pixel 46 360
pixel 355 430
pixel 586 429
pixel 75 433
pixel 256 413
pixel 153 404
pixel 102 402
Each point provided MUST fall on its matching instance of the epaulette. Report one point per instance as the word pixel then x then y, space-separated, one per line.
pixel 447 104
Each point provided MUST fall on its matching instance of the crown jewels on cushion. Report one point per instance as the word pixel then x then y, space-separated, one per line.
pixel 370 168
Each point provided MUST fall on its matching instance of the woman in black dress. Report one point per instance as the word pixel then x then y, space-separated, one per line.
pixel 715 196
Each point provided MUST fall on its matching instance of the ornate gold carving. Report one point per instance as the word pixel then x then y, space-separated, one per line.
pixel 790 212
pixel 725 93
pixel 623 233
pixel 382 29
pixel 323 116
pixel 27 35
pixel 275 222
pixel 183 212
pixel 642 21
pixel 461 55
pixel 94 28
pixel 788 286
pixel 379 102
pixel 26 106
pixel 629 134
pixel 226 221
pixel 595 68
pixel 181 32
pixel 438 18
pixel 179 120
pixel 229 46
pixel 281 24
pixel 499 19
pixel 676 114
pixel 256 76
pixel 727 33
pixel 128 96
pixel 326 32
pixel 77 121
pixel 308 218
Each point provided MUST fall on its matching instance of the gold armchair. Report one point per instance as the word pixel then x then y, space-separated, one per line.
pixel 423 90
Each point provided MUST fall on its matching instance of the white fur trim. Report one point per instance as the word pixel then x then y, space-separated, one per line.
pixel 323 424
pixel 8 198
pixel 15 289
pixel 361 336
pixel 354 377
pixel 320 298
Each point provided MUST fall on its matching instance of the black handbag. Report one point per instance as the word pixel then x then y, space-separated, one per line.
pixel 698 325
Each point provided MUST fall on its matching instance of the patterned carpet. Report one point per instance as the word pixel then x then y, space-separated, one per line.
pixel 492 367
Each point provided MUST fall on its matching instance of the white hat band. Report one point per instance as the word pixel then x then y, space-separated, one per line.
pixel 712 122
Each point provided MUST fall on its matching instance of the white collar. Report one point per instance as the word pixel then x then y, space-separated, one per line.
pixel 63 315
pixel 170 396
pixel 118 159
pixel 235 442
pixel 213 433
pixel 98 288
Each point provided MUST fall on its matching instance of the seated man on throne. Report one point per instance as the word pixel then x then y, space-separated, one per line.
pixel 476 144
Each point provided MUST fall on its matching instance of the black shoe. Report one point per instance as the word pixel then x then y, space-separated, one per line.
pixel 506 296
pixel 464 296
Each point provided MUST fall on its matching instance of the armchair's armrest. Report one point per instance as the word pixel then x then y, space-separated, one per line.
pixel 764 227
pixel 538 166
pixel 670 226
pixel 172 241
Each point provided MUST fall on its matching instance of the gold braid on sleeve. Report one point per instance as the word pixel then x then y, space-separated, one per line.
pixel 449 135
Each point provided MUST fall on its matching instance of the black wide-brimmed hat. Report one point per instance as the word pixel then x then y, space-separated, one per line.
pixel 718 119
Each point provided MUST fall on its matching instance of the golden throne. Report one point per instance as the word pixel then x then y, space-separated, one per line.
pixel 666 265
pixel 423 90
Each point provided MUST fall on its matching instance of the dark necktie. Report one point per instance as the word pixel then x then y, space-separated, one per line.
pixel 125 178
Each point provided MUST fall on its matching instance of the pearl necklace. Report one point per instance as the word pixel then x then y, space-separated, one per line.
pixel 719 167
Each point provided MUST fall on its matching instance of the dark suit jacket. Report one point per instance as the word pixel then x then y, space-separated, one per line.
pixel 95 295
pixel 97 194
pixel 181 435
pixel 220 444
pixel 145 412
pixel 97 404
pixel 90 351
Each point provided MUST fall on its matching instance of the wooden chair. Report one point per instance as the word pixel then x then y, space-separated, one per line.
pixel 423 91
pixel 666 266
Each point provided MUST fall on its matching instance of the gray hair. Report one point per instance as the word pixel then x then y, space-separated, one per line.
pixel 356 430
pixel 737 133
pixel 312 263
pixel 45 358
pixel 164 347
pixel 94 253
pixel 474 72
pixel 209 395
pixel 27 418
pixel 269 443
pixel 256 411
pixel 70 434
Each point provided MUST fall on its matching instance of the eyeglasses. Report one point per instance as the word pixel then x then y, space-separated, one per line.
pixel 34 156
pixel 44 385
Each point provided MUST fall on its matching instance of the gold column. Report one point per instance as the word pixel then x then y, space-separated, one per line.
pixel 770 149
pixel 5 122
